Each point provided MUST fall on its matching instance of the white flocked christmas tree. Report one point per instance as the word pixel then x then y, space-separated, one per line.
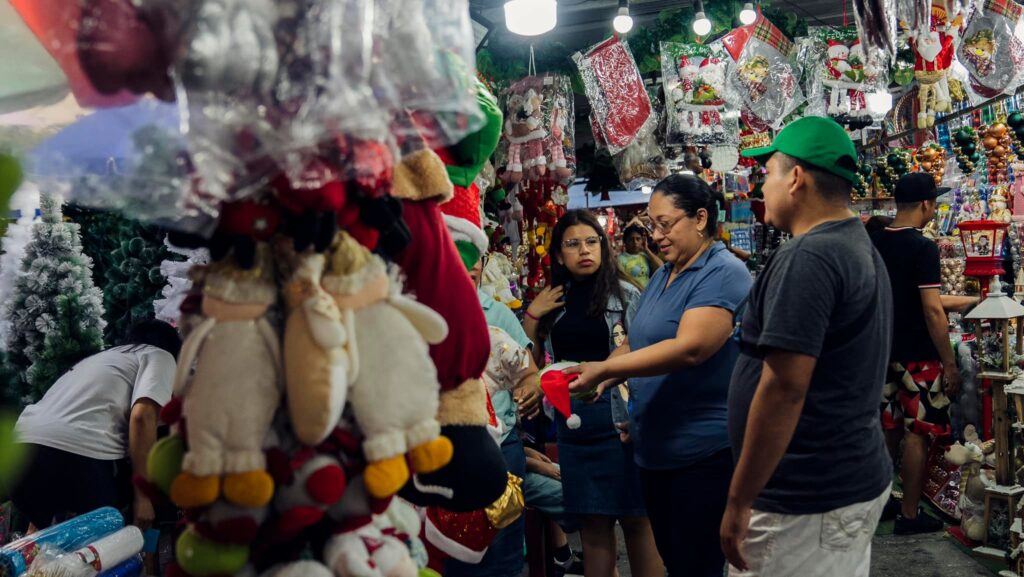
pixel 55 311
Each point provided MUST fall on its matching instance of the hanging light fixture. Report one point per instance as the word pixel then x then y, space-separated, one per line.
pixel 623 22
pixel 879 103
pixel 701 24
pixel 748 14
pixel 531 17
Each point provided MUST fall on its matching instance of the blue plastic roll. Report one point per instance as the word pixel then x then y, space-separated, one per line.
pixel 16 557
pixel 130 568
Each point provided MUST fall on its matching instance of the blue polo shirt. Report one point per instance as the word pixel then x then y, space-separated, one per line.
pixel 679 419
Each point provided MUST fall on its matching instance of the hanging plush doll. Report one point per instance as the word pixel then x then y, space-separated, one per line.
pixel 394 391
pixel 933 57
pixel 229 398
pixel 317 350
pixel 525 129
pixel 991 51
pixel 477 474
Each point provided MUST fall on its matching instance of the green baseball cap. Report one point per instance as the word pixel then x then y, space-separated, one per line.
pixel 820 142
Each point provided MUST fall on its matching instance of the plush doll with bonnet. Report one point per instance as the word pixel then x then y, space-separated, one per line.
pixel 228 400
pixel 394 393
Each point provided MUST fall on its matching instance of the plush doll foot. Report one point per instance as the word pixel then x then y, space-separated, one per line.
pixel 189 491
pixel 385 478
pixel 250 489
pixel 430 457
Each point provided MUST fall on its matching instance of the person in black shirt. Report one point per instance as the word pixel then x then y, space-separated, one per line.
pixel 923 375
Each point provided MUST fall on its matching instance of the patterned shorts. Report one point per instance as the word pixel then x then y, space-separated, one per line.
pixel 913 392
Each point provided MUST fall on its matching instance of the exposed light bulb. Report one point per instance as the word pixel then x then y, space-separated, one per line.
pixel 531 17
pixel 646 189
pixel 747 15
pixel 602 220
pixel 701 24
pixel 879 103
pixel 623 22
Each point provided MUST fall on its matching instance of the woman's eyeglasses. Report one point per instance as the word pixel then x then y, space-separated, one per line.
pixel 663 227
pixel 574 243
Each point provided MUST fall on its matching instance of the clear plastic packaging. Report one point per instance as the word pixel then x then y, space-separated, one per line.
pixel 424 62
pixel 16 557
pixel 620 104
pixel 695 95
pixel 838 73
pixel 538 134
pixel 642 163
pixel 102 554
pixel 990 50
pixel 764 79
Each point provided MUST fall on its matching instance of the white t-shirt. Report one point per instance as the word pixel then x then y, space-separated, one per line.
pixel 86 411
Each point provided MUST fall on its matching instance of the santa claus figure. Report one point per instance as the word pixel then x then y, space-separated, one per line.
pixel 933 57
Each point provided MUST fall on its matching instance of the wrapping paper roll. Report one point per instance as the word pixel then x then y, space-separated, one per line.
pixel 113 549
pixel 130 568
pixel 16 557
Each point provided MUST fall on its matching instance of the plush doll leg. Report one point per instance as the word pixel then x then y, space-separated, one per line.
pixel 249 489
pixel 514 168
pixel 833 102
pixel 430 451
pixel 190 491
pixel 387 470
pixel 943 101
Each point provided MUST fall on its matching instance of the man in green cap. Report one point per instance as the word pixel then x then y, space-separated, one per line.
pixel 812 472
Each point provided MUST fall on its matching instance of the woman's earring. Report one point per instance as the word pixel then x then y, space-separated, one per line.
pixel 700 233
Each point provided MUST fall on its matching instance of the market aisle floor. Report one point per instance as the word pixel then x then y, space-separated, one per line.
pixel 933 555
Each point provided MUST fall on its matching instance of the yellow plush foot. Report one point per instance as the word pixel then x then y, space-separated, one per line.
pixel 250 489
pixel 430 457
pixel 189 491
pixel 384 478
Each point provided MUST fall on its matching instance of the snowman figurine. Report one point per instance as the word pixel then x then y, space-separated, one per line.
pixel 836 70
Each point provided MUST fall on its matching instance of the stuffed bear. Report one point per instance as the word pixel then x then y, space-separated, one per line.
pixel 229 400
pixel 388 335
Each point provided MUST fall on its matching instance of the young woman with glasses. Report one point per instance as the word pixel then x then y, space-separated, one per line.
pixel 679 357
pixel 576 319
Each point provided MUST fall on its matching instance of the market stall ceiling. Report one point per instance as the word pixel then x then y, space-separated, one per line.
pixel 582 23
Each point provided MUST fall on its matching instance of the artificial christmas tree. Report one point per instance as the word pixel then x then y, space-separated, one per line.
pixel 56 312
pixel 126 256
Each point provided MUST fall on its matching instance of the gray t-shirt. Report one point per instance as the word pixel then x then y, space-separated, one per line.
pixel 86 411
pixel 825 294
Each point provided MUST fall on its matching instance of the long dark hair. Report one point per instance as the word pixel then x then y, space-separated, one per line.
pixel 607 275
pixel 154 333
pixel 690 194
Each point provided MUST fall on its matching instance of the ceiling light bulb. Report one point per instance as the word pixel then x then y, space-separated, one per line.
pixel 602 220
pixel 531 17
pixel 747 15
pixel 879 103
pixel 623 22
pixel 701 24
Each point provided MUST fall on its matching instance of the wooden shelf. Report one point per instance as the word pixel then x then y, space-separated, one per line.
pixel 997 376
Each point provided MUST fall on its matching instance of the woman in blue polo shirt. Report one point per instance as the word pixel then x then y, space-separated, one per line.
pixel 679 357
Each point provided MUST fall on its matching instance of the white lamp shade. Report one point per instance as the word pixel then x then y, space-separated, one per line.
pixel 531 17
pixel 879 103
pixel 701 25
pixel 747 15
pixel 623 22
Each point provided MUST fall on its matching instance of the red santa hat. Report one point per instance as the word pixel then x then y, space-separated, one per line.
pixel 711 61
pixel 462 217
pixel 555 385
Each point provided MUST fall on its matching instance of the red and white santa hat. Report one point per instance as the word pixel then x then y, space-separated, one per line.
pixel 837 48
pixel 462 217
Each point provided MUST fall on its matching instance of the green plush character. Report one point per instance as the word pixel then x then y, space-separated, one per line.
pixel 12 454
pixel 164 462
pixel 10 180
pixel 425 572
pixel 466 158
pixel 200 557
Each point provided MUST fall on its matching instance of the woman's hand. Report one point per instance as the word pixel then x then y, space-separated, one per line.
pixel 591 377
pixel 528 398
pixel 549 299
